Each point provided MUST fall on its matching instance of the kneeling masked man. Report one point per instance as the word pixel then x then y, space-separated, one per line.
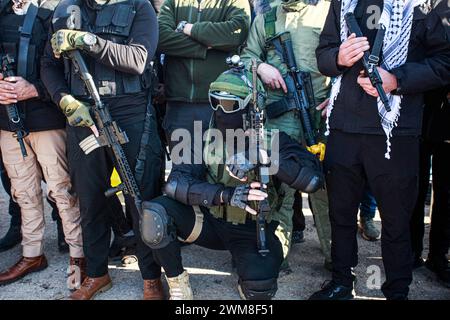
pixel 212 204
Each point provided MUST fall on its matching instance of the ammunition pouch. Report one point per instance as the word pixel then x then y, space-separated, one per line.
pixel 277 108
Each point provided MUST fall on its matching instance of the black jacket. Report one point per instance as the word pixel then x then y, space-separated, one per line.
pixel 436 118
pixel 427 68
pixel 39 113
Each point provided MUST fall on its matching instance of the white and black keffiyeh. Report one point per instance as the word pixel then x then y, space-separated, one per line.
pixel 397 18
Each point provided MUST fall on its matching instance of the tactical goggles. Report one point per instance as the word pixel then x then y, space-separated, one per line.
pixel 228 103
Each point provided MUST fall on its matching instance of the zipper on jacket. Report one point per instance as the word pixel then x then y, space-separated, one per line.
pixel 191 62
pixel 199 10
pixel 199 14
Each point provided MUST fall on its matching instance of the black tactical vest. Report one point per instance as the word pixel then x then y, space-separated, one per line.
pixel 112 22
pixel 10 25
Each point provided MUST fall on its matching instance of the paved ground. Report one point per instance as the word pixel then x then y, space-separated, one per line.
pixel 211 274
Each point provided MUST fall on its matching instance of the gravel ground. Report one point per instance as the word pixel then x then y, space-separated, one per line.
pixel 210 271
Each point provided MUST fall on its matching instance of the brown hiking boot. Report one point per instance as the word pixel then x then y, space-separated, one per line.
pixel 153 289
pixel 23 267
pixel 76 273
pixel 91 287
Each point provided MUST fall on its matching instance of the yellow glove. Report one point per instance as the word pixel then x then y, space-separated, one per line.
pixel 77 113
pixel 318 149
pixel 66 40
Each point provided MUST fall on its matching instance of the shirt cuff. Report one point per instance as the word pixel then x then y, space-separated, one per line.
pixel 398 73
pixel 97 48
pixel 330 59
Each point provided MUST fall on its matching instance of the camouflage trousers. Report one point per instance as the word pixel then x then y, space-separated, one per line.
pixel 290 124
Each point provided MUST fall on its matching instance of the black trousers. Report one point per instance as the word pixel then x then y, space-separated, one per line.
pixel 181 115
pixel 417 219
pixel 298 218
pixel 90 176
pixel 218 234
pixel 351 161
pixel 440 218
pixel 13 208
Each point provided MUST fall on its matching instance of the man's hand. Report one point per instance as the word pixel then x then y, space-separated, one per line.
pixel 23 89
pixel 323 107
pixel 352 50
pixel 389 82
pixel 245 193
pixel 271 77
pixel 7 95
pixel 66 40
pixel 188 29
pixel 77 113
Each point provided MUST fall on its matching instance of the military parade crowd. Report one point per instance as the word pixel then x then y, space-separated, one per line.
pixel 252 105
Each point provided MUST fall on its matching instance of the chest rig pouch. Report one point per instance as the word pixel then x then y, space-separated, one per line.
pixel 274 58
pixel 111 22
pixel 217 174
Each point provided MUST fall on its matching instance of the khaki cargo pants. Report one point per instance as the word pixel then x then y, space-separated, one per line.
pixel 46 160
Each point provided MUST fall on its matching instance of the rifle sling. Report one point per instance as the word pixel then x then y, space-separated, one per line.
pixel 145 140
pixel 25 37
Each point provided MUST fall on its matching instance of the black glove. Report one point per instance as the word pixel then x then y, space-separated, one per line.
pixel 241 196
pixel 239 164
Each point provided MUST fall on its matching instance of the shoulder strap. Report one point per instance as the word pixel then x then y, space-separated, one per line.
pixel 377 46
pixel 25 36
pixel 270 18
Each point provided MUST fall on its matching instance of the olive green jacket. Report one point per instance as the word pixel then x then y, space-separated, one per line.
pixel 305 23
pixel 193 62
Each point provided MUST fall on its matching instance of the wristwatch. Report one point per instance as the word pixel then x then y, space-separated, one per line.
pixel 89 39
pixel 181 26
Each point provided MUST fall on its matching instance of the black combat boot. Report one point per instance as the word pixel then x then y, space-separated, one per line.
pixel 441 267
pixel 63 247
pixel 122 246
pixel 333 291
pixel 14 235
pixel 297 237
pixel 12 238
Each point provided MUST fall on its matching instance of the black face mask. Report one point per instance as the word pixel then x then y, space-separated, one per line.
pixel 226 121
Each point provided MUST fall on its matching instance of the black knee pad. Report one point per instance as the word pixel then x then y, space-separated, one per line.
pixel 156 226
pixel 259 289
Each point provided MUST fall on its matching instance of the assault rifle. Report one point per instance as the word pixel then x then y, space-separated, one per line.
pixel 300 90
pixel 109 135
pixel 370 62
pixel 262 173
